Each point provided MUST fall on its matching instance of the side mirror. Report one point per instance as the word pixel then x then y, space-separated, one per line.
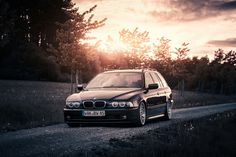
pixel 153 86
pixel 80 87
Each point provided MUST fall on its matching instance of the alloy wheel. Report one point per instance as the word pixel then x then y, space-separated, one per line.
pixel 142 113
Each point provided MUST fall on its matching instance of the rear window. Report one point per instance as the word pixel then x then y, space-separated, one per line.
pixel 157 79
pixel 162 79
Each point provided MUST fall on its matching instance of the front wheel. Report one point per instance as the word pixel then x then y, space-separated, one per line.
pixel 141 119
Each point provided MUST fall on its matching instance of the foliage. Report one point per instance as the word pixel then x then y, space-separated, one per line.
pixel 137 43
pixel 52 30
pixel 34 62
pixel 162 49
pixel 70 51
pixel 45 40
pixel 182 51
pixel 26 29
pixel 197 74
pixel 6 22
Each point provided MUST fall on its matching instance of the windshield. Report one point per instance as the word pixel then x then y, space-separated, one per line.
pixel 117 80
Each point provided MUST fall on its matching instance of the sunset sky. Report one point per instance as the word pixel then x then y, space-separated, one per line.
pixel 206 24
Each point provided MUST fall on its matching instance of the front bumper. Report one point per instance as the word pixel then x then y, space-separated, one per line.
pixel 111 116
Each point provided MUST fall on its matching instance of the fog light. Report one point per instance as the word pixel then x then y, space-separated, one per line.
pixel 67 117
pixel 124 117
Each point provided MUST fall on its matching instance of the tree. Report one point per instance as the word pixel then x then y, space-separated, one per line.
pixel 27 26
pixel 230 58
pixel 6 22
pixel 35 21
pixel 182 51
pixel 137 43
pixel 179 66
pixel 70 52
pixel 162 57
pixel 162 50
pixel 200 74
pixel 219 56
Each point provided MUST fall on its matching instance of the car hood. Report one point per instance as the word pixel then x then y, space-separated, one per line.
pixel 105 94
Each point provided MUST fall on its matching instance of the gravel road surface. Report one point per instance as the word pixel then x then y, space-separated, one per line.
pixel 60 140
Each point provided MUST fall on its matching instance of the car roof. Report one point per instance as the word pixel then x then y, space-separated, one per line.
pixel 129 70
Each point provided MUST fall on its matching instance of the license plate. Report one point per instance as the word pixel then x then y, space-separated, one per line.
pixel 94 113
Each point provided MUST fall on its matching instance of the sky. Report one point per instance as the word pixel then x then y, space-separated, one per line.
pixel 205 24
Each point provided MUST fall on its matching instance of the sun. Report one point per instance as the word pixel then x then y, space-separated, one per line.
pixel 112 46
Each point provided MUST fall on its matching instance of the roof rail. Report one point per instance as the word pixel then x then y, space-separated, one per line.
pixel 136 68
pixel 149 69
pixel 110 69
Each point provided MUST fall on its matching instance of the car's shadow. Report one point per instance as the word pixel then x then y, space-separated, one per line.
pixel 116 125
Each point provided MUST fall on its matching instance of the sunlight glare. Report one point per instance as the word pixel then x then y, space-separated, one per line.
pixel 112 46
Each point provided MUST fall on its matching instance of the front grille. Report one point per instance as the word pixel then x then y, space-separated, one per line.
pixel 100 104
pixel 88 104
pixel 94 104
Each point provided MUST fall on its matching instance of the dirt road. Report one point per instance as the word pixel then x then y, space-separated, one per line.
pixel 60 140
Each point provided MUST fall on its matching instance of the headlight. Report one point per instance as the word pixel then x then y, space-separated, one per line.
pixel 69 105
pixel 114 104
pixel 72 104
pixel 122 104
pixel 129 104
pixel 76 104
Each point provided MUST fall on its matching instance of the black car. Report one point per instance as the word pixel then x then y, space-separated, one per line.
pixel 120 96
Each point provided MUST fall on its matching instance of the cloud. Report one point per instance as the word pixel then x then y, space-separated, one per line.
pixel 228 5
pixel 230 42
pixel 190 10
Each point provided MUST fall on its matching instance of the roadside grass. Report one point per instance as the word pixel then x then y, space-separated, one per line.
pixel 27 104
pixel 192 99
pixel 208 136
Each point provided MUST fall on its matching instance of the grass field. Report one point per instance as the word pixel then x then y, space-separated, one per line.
pixel 205 137
pixel 191 99
pixel 26 104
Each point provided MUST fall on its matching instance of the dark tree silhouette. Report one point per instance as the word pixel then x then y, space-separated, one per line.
pixel 70 51
pixel 42 40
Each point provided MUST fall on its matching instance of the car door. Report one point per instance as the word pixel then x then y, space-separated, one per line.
pixel 153 98
pixel 161 92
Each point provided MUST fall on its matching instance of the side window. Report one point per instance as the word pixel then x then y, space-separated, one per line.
pixel 148 79
pixel 162 80
pixel 157 79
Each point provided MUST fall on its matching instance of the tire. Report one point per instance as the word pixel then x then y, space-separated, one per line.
pixel 142 115
pixel 168 112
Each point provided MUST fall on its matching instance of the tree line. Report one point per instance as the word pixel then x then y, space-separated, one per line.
pixel 46 40
pixel 181 72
